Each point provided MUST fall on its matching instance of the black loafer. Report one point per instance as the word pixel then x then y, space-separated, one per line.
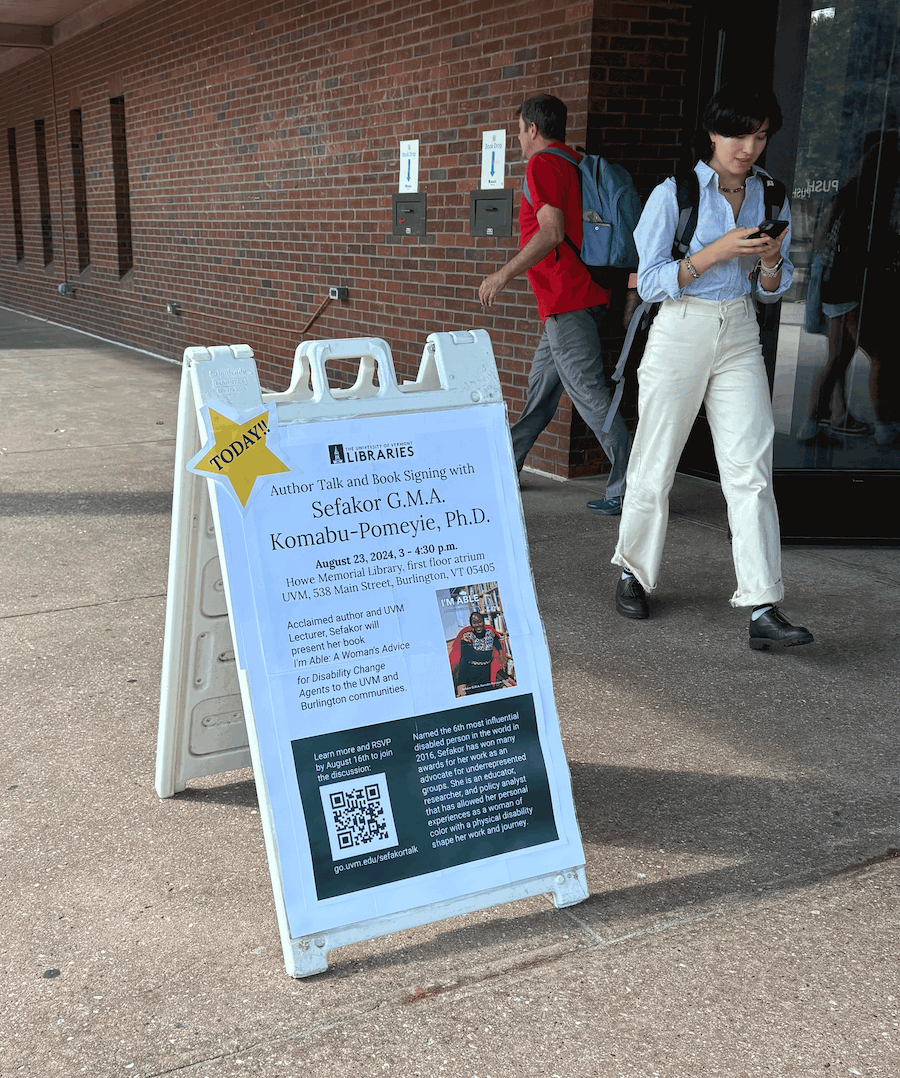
pixel 631 599
pixel 773 630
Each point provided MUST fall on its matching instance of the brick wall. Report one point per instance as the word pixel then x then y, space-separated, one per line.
pixel 262 148
pixel 639 60
pixel 640 55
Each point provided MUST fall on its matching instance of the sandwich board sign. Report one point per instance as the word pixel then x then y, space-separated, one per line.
pixel 351 608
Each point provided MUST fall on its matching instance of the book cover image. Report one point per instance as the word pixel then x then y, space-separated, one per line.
pixel 479 655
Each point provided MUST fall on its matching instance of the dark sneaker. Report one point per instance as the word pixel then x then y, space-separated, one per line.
pixel 817 432
pixel 606 507
pixel 773 630
pixel 850 427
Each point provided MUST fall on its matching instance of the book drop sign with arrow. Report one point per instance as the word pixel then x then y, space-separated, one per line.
pixel 493 159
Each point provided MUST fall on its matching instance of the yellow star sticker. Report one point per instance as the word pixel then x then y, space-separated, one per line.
pixel 240 453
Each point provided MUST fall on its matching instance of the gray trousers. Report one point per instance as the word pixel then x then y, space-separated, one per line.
pixel 569 358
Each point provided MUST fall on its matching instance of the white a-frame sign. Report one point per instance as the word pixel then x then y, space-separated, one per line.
pixel 354 608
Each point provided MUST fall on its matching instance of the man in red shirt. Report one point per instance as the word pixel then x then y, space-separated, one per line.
pixel 570 303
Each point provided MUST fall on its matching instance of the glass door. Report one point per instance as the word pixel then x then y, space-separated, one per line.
pixel 836 387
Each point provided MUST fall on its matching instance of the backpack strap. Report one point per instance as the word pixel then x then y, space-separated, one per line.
pixel 687 190
pixel 556 153
pixel 641 319
pixel 575 165
pixel 774 193
pixel 773 199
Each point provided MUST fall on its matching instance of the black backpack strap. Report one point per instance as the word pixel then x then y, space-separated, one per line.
pixel 774 193
pixel 687 189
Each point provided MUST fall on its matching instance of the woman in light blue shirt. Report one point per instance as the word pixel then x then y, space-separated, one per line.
pixel 704 349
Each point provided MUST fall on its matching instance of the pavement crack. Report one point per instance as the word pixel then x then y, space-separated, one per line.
pixel 878 859
pixel 167 441
pixel 83 606
pixel 265 1042
pixel 524 966
pixel 582 924
pixel 200 1062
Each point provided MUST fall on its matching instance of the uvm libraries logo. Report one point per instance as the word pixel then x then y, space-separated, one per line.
pixel 351 454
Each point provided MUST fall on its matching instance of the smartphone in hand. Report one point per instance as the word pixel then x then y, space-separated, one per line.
pixel 768 228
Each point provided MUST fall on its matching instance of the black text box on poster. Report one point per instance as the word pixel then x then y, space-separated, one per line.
pixel 405 798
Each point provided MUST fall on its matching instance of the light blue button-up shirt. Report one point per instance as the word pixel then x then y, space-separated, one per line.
pixel 658 273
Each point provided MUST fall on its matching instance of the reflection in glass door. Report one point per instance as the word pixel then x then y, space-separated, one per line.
pixel 837 376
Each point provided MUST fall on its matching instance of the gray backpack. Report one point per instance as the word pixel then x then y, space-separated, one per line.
pixel 610 210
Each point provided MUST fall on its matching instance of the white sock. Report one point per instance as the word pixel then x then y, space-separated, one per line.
pixel 760 610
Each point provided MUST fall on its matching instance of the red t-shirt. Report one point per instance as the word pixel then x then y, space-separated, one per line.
pixel 560 281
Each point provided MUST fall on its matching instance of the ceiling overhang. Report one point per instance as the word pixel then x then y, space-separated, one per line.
pixel 16 34
pixel 27 26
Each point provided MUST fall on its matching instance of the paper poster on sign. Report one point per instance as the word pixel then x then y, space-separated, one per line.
pixel 493 159
pixel 385 612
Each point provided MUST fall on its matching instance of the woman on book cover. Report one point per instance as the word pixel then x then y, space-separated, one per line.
pixel 477 657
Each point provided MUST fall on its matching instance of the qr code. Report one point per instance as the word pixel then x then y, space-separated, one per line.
pixel 358 816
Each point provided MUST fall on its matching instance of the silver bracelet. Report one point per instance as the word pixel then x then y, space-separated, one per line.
pixel 690 266
pixel 764 271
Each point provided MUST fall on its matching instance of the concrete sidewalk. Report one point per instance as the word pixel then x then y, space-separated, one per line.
pixel 739 810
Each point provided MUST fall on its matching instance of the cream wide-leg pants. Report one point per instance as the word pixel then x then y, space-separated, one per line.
pixel 705 352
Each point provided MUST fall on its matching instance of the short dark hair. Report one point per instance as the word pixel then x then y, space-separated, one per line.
pixel 548 114
pixel 734 111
